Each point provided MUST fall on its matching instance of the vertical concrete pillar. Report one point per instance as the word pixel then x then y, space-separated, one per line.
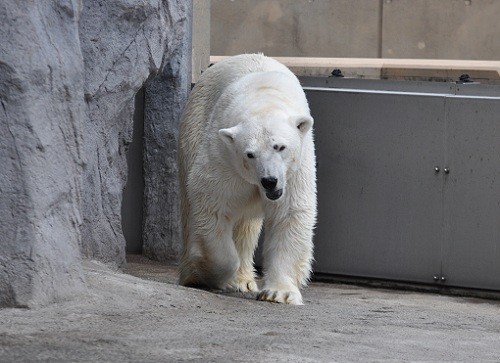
pixel 201 38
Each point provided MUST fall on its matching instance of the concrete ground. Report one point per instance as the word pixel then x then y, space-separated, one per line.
pixel 148 318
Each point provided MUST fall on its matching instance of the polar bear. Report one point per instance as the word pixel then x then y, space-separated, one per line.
pixel 247 159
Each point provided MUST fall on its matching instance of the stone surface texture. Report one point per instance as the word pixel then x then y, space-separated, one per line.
pixel 124 43
pixel 165 97
pixel 69 72
pixel 41 96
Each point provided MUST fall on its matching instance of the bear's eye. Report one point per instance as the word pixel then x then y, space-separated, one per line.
pixel 250 155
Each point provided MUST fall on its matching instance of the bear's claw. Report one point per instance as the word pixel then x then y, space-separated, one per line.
pixel 244 285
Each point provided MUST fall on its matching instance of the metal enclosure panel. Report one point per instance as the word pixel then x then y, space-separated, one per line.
pixel 437 88
pixel 380 200
pixel 471 247
pixel 379 85
pixel 478 89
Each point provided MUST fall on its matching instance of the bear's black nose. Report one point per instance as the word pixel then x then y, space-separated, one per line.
pixel 269 183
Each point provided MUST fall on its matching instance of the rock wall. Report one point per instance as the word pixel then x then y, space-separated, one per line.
pixel 69 71
pixel 41 96
pixel 164 100
pixel 124 43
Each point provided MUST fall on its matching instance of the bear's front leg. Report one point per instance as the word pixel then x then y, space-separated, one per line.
pixel 288 250
pixel 246 237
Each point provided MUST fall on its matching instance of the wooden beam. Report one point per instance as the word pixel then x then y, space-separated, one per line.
pixel 386 68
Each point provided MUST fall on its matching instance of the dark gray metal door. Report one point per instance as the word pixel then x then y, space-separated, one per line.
pixel 471 249
pixel 380 200
pixel 384 211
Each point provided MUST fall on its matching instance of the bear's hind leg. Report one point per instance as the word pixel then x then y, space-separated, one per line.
pixel 188 267
pixel 246 237
pixel 212 260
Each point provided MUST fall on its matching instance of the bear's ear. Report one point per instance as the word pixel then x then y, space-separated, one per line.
pixel 304 123
pixel 227 135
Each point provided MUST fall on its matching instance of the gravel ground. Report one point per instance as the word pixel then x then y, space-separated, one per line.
pixel 143 316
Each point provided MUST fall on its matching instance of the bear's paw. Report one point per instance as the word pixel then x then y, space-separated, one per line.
pixel 244 284
pixel 280 296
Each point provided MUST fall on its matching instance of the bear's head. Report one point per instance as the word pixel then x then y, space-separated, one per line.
pixel 266 150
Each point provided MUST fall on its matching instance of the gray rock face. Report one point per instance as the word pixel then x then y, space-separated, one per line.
pixel 41 93
pixel 164 101
pixel 124 43
pixel 69 71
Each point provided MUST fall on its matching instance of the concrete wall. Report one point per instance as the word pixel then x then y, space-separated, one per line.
pixel 201 38
pixel 428 29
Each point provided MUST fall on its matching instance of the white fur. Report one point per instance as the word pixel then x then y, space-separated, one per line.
pixel 247 104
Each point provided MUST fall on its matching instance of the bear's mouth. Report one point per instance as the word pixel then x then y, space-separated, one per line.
pixel 274 194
